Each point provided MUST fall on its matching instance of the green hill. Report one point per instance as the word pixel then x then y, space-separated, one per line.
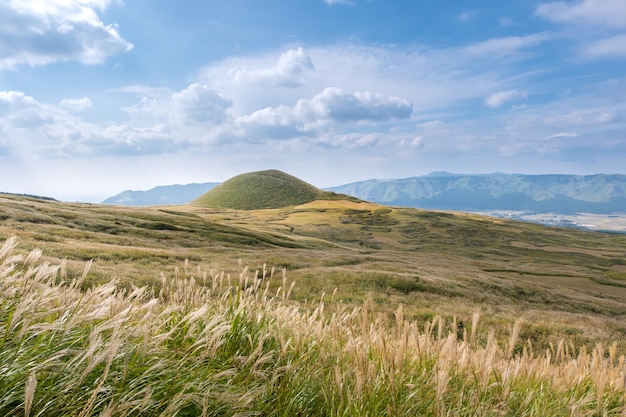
pixel 263 190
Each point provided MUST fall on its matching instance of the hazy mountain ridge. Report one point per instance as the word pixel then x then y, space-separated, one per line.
pixel 164 194
pixel 560 193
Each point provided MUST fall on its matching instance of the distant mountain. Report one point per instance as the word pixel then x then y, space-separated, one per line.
pixel 166 194
pixel 537 193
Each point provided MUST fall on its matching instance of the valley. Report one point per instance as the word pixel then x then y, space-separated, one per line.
pixel 615 222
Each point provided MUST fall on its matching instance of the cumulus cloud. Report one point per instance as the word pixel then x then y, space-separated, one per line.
pixel 603 13
pixel 289 71
pixel 20 111
pixel 76 104
pixel 39 33
pixel 16 99
pixel 198 104
pixel 497 99
pixel 32 127
pixel 332 106
pixel 338 106
pixel 350 106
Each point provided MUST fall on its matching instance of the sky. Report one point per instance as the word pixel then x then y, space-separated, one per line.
pixel 102 96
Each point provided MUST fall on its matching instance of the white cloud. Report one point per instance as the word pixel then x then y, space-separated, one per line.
pixel 592 115
pixel 562 135
pixel 22 112
pixel 41 32
pixel 128 140
pixel 33 129
pixel 419 110
pixel 417 142
pixel 198 104
pixel 150 108
pixel 343 106
pixel 76 104
pixel 598 25
pixel 289 71
pixel 510 45
pixel 154 106
pixel 603 13
pixel 333 106
pixel 609 47
pixel 431 78
pixel 16 99
pixel 497 99
pixel 432 125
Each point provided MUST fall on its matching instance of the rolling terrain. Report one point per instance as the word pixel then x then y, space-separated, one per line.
pixel 564 282
pixel 327 306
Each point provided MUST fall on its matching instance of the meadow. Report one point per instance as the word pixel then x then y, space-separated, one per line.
pixel 327 308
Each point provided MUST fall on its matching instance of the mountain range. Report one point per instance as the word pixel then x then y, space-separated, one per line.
pixel 552 193
pixel 164 194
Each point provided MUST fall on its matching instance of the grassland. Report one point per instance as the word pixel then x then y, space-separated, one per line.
pixel 395 333
pixel 221 346
pixel 562 281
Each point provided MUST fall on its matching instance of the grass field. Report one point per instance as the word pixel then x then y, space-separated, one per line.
pixel 519 318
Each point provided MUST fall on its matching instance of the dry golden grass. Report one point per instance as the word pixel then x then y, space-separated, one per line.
pixel 213 344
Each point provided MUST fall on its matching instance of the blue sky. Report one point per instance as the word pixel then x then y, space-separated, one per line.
pixel 101 96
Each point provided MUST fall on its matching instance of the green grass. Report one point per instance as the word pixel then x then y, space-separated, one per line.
pixel 262 190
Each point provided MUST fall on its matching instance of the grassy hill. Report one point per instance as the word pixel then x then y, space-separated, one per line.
pixel 394 311
pixel 262 190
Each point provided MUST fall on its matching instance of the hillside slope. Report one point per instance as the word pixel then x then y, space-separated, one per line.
pixel 261 190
